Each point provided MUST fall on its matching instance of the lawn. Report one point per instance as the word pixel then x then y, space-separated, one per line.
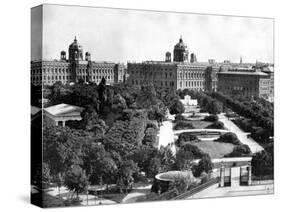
pixel 214 149
pixel 200 124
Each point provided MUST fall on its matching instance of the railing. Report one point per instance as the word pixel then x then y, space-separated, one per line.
pixel 197 189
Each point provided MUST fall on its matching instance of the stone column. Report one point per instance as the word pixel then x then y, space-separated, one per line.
pixel 63 123
pixel 222 176
pixel 250 175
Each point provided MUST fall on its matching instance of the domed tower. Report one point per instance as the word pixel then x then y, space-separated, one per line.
pixel 62 55
pixel 88 56
pixel 75 51
pixel 75 54
pixel 193 58
pixel 180 52
pixel 168 57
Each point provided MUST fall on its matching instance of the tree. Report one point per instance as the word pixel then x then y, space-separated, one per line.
pixel 176 107
pixel 212 118
pixel 126 171
pixel 150 136
pixel 61 149
pixel 119 103
pixel 76 180
pixel 183 159
pixel 242 150
pixel 204 165
pixel 214 107
pixel 262 164
pixel 180 125
pixel 98 163
pixel 229 138
pixel 216 125
pixel 167 158
pixel 154 167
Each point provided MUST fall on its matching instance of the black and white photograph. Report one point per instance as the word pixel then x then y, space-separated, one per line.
pixel 134 106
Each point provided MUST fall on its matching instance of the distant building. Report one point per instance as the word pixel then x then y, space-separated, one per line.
pixel 75 68
pixel 59 114
pixel 179 74
pixel 244 83
pixel 228 77
pixel 270 71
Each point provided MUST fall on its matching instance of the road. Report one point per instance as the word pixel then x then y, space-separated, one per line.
pixel 216 191
pixel 242 136
pixel 166 134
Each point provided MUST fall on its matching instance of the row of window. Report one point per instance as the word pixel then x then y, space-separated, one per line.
pixel 166 83
pixel 67 70
pixel 48 78
pixel 170 74
pixel 192 84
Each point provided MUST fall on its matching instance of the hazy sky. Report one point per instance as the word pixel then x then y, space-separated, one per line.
pixel 131 35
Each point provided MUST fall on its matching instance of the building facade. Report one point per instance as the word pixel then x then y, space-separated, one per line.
pixel 227 77
pixel 74 69
pixel 247 84
pixel 179 74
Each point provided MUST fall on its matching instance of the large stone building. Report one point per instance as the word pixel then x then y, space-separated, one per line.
pixel 244 83
pixel 75 68
pixel 179 74
pixel 184 73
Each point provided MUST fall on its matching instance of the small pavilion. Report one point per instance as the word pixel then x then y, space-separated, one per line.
pixel 57 115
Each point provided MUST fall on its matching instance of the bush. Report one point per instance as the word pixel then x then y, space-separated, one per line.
pixel 151 124
pixel 179 117
pixel 212 118
pixel 229 138
pixel 216 125
pixel 197 153
pixel 204 177
pixel 176 107
pixel 262 164
pixel 182 125
pixel 204 165
pixel 186 137
pixel 240 151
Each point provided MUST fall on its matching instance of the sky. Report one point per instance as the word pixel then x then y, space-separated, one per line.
pixel 121 35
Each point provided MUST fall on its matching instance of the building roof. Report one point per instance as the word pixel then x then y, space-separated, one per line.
pixel 243 73
pixel 61 109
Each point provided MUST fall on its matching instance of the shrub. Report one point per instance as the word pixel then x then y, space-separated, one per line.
pixel 216 125
pixel 262 164
pixel 197 153
pixel 212 118
pixel 242 150
pixel 204 165
pixel 176 107
pixel 151 124
pixel 229 138
pixel 186 137
pixel 179 117
pixel 181 125
pixel 204 177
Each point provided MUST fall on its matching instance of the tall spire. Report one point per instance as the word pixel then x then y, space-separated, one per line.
pixel 75 40
pixel 241 60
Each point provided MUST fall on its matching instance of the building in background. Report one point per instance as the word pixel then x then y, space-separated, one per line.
pixel 179 74
pixel 74 69
pixel 230 78
pixel 244 83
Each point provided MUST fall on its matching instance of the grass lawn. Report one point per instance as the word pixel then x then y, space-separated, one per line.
pixel 200 124
pixel 214 149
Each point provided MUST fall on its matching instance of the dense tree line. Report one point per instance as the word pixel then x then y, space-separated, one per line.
pixel 249 109
pixel 114 142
